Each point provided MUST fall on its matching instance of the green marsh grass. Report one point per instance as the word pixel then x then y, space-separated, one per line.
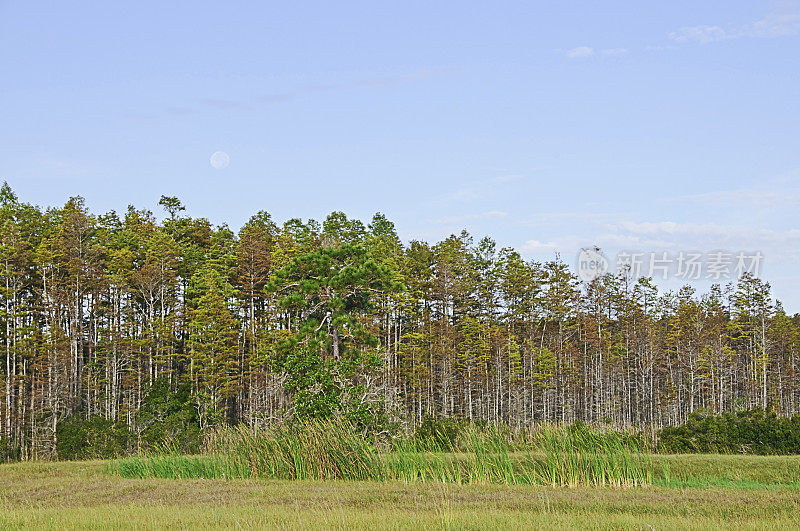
pixel 583 456
pixel 323 450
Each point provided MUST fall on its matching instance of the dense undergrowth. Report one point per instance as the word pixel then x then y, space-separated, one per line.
pixel 549 455
pixel 753 431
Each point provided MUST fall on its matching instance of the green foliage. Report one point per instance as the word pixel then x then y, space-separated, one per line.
pixel 342 321
pixel 753 431
pixel 212 342
pixel 329 360
pixel 169 418
pixel 92 438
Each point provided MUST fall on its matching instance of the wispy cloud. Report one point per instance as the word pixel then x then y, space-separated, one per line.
pixel 785 20
pixel 747 197
pixel 535 246
pixel 701 34
pixel 675 235
pixel 671 236
pixel 583 52
pixel 580 51
pixel 219 104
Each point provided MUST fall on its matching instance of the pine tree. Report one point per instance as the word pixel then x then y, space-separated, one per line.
pixel 329 360
pixel 212 345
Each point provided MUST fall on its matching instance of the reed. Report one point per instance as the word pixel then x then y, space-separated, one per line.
pixel 326 450
pixel 583 456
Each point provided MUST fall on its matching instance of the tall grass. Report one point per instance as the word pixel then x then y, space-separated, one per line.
pixel 175 466
pixel 575 457
pixel 551 455
pixel 479 456
pixel 301 450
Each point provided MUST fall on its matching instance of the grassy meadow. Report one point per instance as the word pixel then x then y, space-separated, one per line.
pixel 322 474
pixel 709 491
pixel 316 475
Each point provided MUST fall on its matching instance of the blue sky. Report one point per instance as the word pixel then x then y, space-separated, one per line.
pixel 549 126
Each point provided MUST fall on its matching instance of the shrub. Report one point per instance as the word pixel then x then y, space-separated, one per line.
pixel 92 438
pixel 753 431
pixel 168 418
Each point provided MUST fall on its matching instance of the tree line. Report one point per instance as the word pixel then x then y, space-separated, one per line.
pixel 341 319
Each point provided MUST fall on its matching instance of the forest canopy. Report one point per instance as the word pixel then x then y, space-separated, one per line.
pixel 162 326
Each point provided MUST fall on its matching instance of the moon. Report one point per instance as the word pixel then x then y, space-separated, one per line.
pixel 219 160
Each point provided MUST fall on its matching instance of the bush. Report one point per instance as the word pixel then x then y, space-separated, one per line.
pixel 92 438
pixel 753 431
pixel 168 418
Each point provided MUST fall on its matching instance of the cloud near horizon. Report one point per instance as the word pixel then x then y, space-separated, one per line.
pixel 782 22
